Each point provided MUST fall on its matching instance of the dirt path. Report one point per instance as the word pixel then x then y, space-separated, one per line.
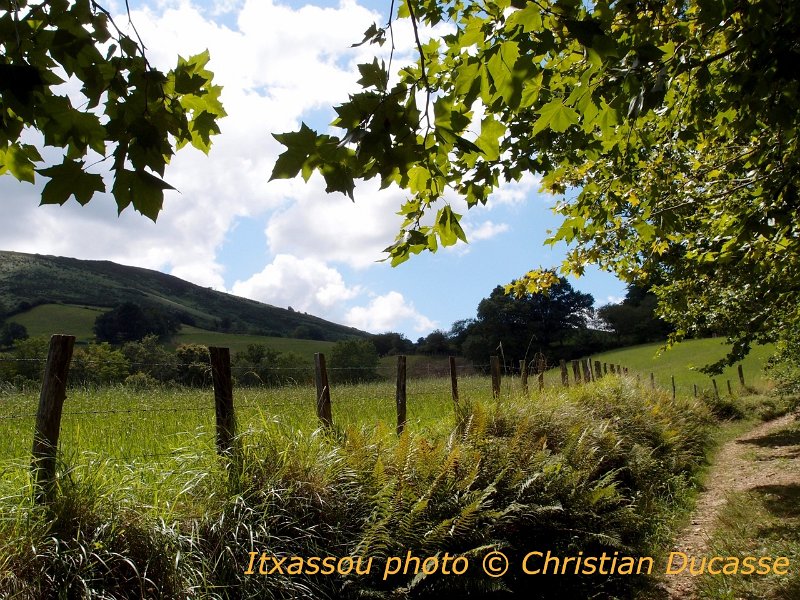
pixel 760 457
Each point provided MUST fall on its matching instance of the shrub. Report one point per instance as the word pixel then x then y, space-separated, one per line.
pixel 98 364
pixel 353 361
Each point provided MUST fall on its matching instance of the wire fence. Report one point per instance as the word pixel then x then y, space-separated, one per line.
pixel 221 372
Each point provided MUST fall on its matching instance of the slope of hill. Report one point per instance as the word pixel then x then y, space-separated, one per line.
pixel 28 280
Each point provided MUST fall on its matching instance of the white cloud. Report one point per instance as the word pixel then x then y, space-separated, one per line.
pixel 305 284
pixel 615 299
pixel 333 228
pixel 389 312
pixel 516 192
pixel 485 230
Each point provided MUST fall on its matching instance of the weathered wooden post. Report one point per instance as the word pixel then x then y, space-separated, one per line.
pixel 494 363
pixel 730 392
pixel 576 374
pixel 541 380
pixel 673 387
pixel 401 394
pixel 587 370
pixel 695 390
pixel 223 399
pixel 741 375
pixel 523 373
pixel 716 390
pixel 652 381
pixel 323 390
pixel 453 379
pixel 48 416
pixel 564 374
pixel 612 368
pixel 598 370
pixel 619 370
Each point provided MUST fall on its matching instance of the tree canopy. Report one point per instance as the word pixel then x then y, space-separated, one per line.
pixel 521 326
pixel 127 114
pixel 668 129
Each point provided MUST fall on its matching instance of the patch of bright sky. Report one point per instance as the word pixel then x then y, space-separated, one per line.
pixel 288 243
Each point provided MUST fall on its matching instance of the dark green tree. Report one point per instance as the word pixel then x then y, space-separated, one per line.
pixel 520 326
pixel 130 322
pixel 392 343
pixel 10 332
pixel 634 320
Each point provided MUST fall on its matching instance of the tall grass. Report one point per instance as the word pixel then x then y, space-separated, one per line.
pixel 146 509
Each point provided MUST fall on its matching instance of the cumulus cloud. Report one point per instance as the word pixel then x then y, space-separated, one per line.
pixel 305 284
pixel 320 225
pixel 485 230
pixel 389 312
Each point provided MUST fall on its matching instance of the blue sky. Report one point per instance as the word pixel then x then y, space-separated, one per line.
pixel 288 243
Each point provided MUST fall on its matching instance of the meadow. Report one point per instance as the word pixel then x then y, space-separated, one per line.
pixel 146 508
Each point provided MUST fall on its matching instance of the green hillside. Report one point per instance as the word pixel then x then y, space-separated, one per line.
pixel 30 281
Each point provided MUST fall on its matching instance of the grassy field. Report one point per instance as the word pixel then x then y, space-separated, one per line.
pixel 683 361
pixel 47 319
pixel 140 429
pixel 141 489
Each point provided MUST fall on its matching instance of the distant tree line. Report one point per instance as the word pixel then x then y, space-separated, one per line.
pixel 560 324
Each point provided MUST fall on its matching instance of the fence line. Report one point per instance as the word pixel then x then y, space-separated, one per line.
pixel 60 354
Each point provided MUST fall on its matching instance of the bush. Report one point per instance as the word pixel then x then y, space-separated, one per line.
pixel 194 365
pixel 98 364
pixel 353 361
pixel 149 357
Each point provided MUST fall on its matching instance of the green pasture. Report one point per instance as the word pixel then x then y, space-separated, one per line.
pixel 152 432
pixel 684 360
pixel 46 319
pixel 237 341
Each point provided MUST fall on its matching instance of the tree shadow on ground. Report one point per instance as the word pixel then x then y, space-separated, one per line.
pixel 785 437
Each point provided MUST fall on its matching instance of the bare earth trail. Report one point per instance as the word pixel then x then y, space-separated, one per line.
pixel 761 457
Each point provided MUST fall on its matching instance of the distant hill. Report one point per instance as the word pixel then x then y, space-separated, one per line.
pixel 29 280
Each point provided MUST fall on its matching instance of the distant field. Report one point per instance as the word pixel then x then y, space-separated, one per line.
pixel 684 360
pixel 47 319
pixel 237 342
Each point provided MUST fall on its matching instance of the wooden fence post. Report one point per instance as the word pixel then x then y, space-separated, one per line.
pixel 673 387
pixel 564 374
pixel 619 370
pixel 494 363
pixel 223 398
pixel 652 381
pixel 453 379
pixel 401 394
pixel 598 370
pixel 576 374
pixel 541 380
pixel 323 390
pixel 587 370
pixel 605 368
pixel 695 390
pixel 523 373
pixel 612 368
pixel 741 375
pixel 716 390
pixel 730 392
pixel 48 417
